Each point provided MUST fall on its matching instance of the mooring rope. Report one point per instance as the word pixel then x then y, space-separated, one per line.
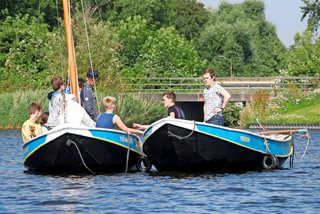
pixel 267 145
pixel 69 142
pixel 128 152
pixel 180 137
pixel 264 129
pixel 307 135
pixel 292 157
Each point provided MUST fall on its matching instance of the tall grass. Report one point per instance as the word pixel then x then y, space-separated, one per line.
pixel 292 106
pixel 14 107
pixel 131 108
pixel 287 107
pixel 134 108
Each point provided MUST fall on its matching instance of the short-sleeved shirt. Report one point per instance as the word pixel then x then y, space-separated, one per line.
pixel 178 113
pixel 89 102
pixel 106 120
pixel 213 99
pixel 30 130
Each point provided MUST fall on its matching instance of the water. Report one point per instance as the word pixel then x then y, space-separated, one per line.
pixel 295 190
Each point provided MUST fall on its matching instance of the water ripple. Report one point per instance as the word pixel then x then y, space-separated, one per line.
pixel 290 190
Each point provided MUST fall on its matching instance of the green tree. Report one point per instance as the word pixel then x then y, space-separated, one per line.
pixel 188 17
pixel 303 58
pixel 23 43
pixel 132 34
pixel 312 10
pixel 241 34
pixel 98 51
pixel 167 54
pixel 155 11
pixel 47 9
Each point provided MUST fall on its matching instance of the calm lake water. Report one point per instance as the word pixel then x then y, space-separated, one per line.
pixel 290 190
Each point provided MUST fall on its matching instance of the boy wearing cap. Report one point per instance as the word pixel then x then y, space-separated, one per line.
pixel 87 95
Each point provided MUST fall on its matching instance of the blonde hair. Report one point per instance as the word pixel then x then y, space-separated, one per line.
pixel 108 101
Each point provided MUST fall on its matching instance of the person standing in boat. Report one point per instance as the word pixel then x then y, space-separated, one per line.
pixel 109 119
pixel 169 102
pixel 81 82
pixel 216 99
pixel 30 128
pixel 87 95
pixel 56 103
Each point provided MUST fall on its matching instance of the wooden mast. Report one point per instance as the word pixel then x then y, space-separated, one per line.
pixel 71 52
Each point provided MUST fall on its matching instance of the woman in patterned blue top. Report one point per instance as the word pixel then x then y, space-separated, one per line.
pixel 216 99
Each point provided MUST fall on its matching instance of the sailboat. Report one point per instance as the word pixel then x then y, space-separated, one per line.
pixel 74 148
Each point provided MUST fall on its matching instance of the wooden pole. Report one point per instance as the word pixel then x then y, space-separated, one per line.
pixel 71 52
pixel 286 132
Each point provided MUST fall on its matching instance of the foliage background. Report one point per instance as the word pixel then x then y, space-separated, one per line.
pixel 155 38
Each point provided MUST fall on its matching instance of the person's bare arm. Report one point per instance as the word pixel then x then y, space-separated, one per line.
pixel 172 114
pixel 123 127
pixel 139 126
pixel 226 98
pixel 204 111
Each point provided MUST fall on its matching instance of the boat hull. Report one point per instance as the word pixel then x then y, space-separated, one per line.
pixel 70 150
pixel 209 148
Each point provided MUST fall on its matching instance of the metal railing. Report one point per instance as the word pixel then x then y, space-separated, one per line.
pixel 196 85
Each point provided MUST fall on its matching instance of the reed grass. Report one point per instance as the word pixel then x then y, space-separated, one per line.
pixel 289 107
pixel 130 107
pixel 14 107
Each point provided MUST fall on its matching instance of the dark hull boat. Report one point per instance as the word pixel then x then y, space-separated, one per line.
pixel 69 149
pixel 189 146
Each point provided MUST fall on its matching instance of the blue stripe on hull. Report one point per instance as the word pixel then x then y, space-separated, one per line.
pixel 101 150
pixel 248 140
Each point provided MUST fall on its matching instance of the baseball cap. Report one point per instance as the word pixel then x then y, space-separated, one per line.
pixel 92 73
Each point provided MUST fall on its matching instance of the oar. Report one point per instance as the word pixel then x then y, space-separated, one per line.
pixel 300 131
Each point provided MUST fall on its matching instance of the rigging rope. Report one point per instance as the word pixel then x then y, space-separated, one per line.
pixel 74 53
pixel 89 51
pixel 37 45
pixel 60 43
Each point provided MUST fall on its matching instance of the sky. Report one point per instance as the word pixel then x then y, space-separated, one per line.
pixel 284 14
